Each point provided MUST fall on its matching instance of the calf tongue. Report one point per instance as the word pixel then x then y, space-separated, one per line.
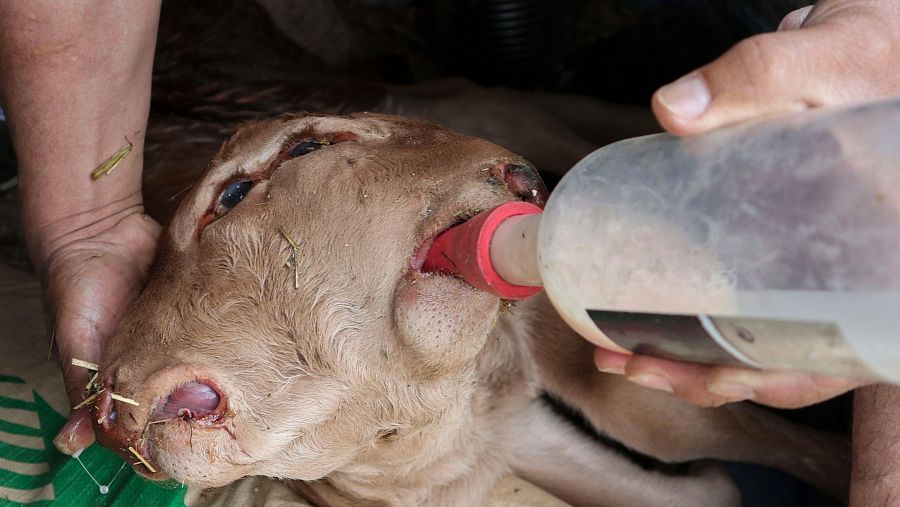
pixel 190 400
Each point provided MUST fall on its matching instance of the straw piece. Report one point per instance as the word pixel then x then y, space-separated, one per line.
pixel 124 399
pixel 183 190
pixel 92 380
pixel 85 364
pixel 294 253
pixel 143 461
pixel 50 349
pixel 111 163
pixel 89 399
pixel 288 238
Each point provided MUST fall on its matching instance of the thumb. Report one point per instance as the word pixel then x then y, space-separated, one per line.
pixel 77 434
pixel 79 342
pixel 795 18
pixel 779 72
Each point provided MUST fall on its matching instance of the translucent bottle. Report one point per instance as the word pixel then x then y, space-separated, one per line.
pixel 774 244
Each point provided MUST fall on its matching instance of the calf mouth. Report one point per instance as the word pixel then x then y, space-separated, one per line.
pixel 521 180
pixel 417 260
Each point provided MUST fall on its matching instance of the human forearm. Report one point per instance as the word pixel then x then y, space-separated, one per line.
pixel 876 447
pixel 76 88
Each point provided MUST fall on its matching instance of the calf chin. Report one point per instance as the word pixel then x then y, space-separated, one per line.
pixel 443 323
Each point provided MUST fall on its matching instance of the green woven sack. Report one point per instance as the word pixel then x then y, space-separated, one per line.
pixel 34 473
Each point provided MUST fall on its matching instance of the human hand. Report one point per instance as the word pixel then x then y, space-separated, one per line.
pixel 75 87
pixel 838 52
pixel 715 385
pixel 88 284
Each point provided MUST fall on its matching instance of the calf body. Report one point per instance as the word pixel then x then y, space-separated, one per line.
pixel 288 331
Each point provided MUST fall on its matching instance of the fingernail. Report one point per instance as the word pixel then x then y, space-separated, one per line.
pixel 652 381
pixel 615 369
pixel 732 390
pixel 63 441
pixel 687 97
pixel 608 361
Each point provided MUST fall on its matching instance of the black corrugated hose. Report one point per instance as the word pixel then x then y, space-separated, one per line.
pixel 518 43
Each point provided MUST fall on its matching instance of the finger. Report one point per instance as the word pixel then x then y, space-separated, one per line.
pixel 769 74
pixel 76 342
pixel 795 18
pixel 760 75
pixel 79 341
pixel 608 361
pixel 777 388
pixel 715 385
pixel 685 380
pixel 77 434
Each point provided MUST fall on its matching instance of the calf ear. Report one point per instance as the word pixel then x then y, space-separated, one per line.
pixel 444 331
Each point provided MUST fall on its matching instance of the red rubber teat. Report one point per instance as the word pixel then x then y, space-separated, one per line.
pixel 465 250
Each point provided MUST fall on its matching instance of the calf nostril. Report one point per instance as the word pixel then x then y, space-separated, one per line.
pixel 105 409
pixel 524 182
pixel 193 399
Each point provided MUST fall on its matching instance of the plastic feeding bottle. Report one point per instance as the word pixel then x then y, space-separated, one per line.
pixel 774 245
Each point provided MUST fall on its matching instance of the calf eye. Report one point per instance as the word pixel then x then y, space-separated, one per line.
pixel 233 194
pixel 305 146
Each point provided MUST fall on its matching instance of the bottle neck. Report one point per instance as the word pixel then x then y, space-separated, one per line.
pixel 514 250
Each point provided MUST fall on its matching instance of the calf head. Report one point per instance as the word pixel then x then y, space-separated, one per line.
pixel 287 328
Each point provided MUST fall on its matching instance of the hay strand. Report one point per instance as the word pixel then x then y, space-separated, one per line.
pixel 142 459
pixel 288 238
pixel 111 163
pixel 88 400
pixel 183 190
pixel 52 341
pixel 91 382
pixel 124 399
pixel 295 252
pixel 85 364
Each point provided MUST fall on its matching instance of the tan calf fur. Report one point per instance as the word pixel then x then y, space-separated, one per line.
pixel 371 383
